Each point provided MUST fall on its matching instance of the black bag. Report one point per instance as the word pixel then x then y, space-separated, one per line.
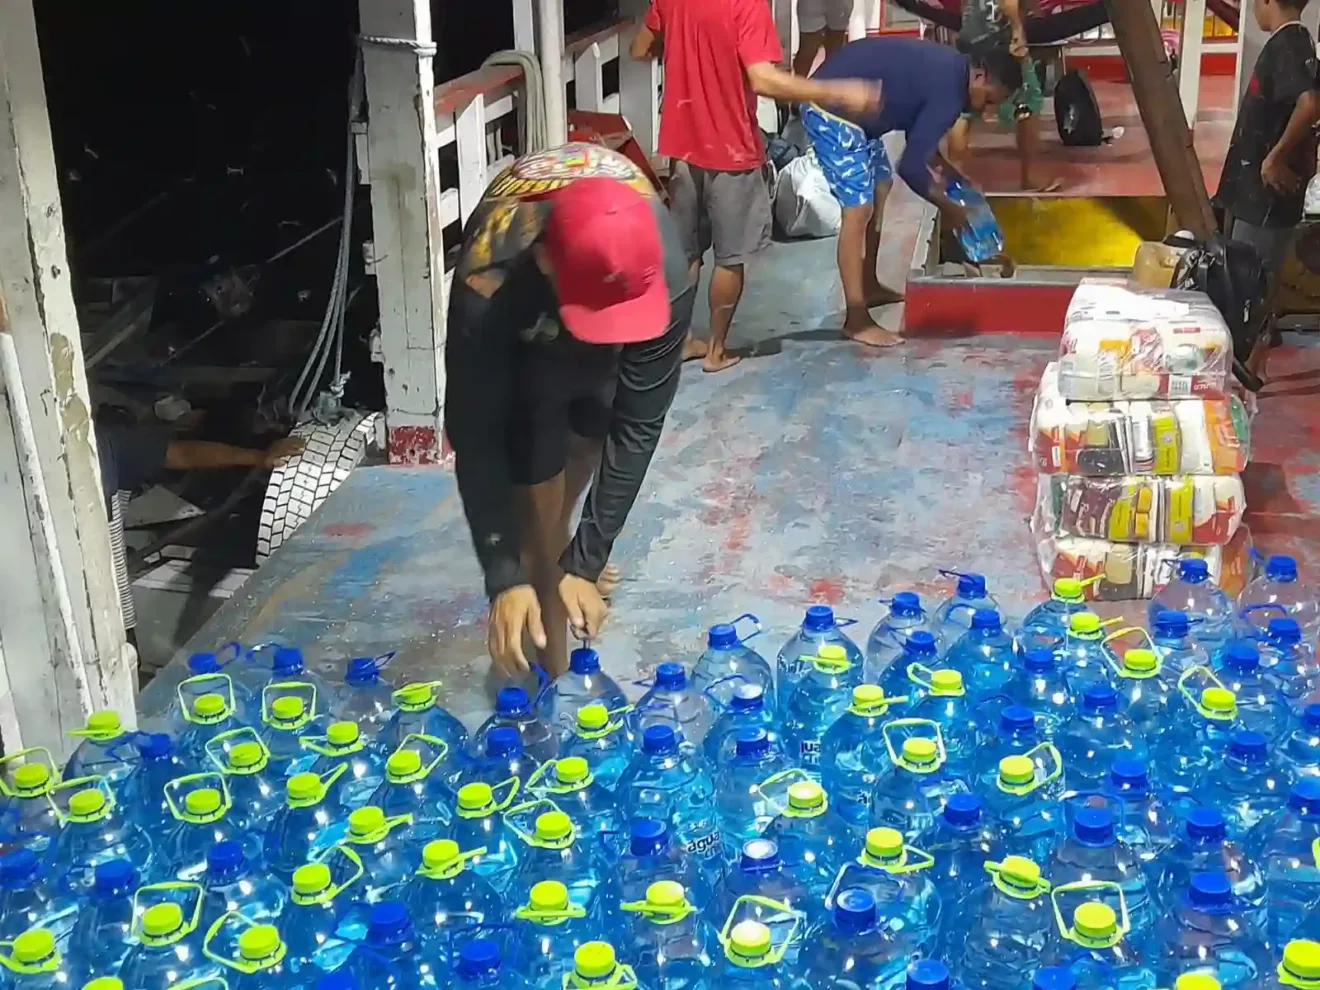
pixel 1232 275
pixel 1077 112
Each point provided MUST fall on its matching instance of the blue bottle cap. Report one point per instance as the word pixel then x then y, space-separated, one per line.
pixel 1206 825
pixel 751 742
pixel 670 675
pixel 759 855
pixel 1039 659
pixel 1129 776
pixel 513 702
pixel 17 866
pixel 388 923
pixel 819 618
pixel 1284 629
pixel 362 671
pixel 584 660
pixel 854 909
pixel 1210 890
pixel 962 810
pixel 659 739
pixel 986 619
pixel 1016 718
pixel 340 979
pixel 648 837
pixel 1172 623
pixel 1311 716
pixel 478 958
pixel 224 857
pixel 971 586
pixel 747 698
pixel 114 876
pixel 503 742
pixel 1099 698
pixel 722 636
pixel 1242 656
pixel 928 974
pixel 1053 978
pixel 1304 798
pixel 921 643
pixel 906 604
pixel 1093 827
pixel 287 660
pixel 1282 568
pixel 203 663
pixel 155 746
pixel 1193 570
pixel 1252 747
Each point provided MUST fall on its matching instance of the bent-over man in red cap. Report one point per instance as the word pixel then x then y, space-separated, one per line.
pixel 569 308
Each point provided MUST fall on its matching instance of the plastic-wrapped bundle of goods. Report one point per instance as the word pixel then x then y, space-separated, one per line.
pixel 1186 510
pixel 1138 570
pixel 1127 341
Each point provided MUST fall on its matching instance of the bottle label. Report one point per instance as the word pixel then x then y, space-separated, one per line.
pixel 810 752
pixel 704 846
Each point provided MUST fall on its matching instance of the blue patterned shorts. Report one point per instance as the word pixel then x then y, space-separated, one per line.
pixel 853 163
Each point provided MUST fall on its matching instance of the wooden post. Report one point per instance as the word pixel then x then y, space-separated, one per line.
pixel 1189 58
pixel 403 170
pixel 1138 36
pixel 62 634
pixel 588 85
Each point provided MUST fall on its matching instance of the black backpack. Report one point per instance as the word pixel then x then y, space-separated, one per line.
pixel 1232 275
pixel 1077 112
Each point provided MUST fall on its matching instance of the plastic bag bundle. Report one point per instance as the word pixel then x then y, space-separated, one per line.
pixel 1138 570
pixel 1185 510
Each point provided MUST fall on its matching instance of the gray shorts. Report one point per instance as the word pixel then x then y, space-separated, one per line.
pixel 1271 243
pixel 726 211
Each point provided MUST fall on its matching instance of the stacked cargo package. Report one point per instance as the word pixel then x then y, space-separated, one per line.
pixel 1139 441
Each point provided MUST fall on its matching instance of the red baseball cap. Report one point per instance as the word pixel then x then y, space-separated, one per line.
pixel 605 246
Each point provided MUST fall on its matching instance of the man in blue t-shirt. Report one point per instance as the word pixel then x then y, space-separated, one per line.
pixel 925 88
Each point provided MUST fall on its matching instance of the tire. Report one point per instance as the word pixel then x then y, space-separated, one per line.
pixel 1042 29
pixel 298 486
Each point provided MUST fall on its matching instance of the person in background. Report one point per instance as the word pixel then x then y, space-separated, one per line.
pixel 926 86
pixel 1272 154
pixel 570 304
pixel 719 56
pixel 997 26
pixel 822 26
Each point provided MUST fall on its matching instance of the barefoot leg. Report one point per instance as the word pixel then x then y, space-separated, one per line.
pixel 875 293
pixel 726 285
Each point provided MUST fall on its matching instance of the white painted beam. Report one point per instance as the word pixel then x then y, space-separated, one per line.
pixel 1189 57
pixel 550 50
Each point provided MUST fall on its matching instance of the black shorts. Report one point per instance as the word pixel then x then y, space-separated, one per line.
pixel 564 388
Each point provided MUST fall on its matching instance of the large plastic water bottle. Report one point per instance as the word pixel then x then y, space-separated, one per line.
pixel 479 824
pixel 556 927
pixel 95 829
pixel 671 944
pixel 555 848
pixel 1098 734
pixel 418 712
pixel 311 923
pixel 26 812
pixel 811 841
pixel 570 785
pixel 1300 964
pixel 751 959
pixel 946 703
pixel 1100 951
pixel 822 694
pixel 747 710
pixel 582 684
pixel 391 956
pixel 759 878
pixel 1259 706
pixel 514 709
pixel 819 629
pixel 234 884
pixel 930 974
pixel 595 965
pixel 650 857
pixel 910 794
pixel 1205 718
pixel 1245 782
pixel 388 849
pixel 365 697
pixel 671 783
pixel 143 790
pixel 1042 689
pixel 1300 751
pixel 31 897
pixel 1011 921
pixel 891 633
pixel 898 877
pixel 169 946
pixel 258 957
pixel 1278 584
pixel 1202 844
pixel 307 825
pixel 287 664
pixel 1145 695
pixel 209 707
pixel 481 964
pixel 102 934
pixel 907 672
pixel 201 806
pixel 953 617
pixel 743 809
pixel 1210 931
pixel 856 946
pixel 984 655
pixel 1046 625
pixel 503 757
pixel 1026 802
pixel 1093 852
pixel 1287 856
pixel 445 895
pixel 1171 636
pixel 34 962
pixel 1084 659
pixel 105 749
pixel 965 838
pixel 1017 731
pixel 1193 593
pixel 255 790
pixel 729 663
pixel 601 738
pixel 1290 662
pixel 673 699
pixel 1145 822
pixel 346 745
pixel 852 752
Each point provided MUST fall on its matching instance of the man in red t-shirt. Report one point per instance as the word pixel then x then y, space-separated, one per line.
pixel 719 56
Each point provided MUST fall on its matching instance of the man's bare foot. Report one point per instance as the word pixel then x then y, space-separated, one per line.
pixel 870 333
pixel 609 579
pixel 882 295
pixel 693 348
pixel 1037 184
pixel 719 360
